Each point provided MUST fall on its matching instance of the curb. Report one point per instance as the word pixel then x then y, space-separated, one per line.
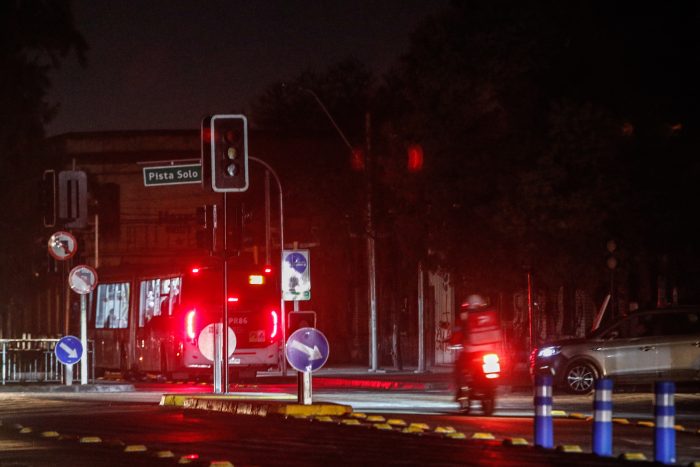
pixel 61 388
pixel 247 406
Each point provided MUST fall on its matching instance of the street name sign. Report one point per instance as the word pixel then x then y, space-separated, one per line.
pixel 69 350
pixel 172 175
pixel 307 349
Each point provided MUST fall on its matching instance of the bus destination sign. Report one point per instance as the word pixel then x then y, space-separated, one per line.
pixel 172 175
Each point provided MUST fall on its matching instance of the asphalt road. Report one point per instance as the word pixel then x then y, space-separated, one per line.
pixel 40 431
pixel 123 419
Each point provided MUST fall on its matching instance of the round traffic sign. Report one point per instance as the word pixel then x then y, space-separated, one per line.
pixel 62 245
pixel 307 349
pixel 297 261
pixel 69 350
pixel 82 279
pixel 205 341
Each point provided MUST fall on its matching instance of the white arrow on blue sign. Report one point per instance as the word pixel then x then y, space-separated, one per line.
pixel 307 349
pixel 69 350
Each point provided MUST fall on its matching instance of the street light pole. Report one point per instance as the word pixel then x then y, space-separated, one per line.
pixel 283 320
pixel 369 227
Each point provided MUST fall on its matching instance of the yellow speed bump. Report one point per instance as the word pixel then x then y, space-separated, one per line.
pixel 357 415
pixel 25 430
pixel 515 442
pixel 422 426
pixel 350 421
pixel 135 448
pixel 481 435
pixel 569 448
pixel 188 459
pixel 445 429
pixel 648 423
pixel 383 426
pixel 396 422
pixel 323 418
pixel 376 419
pixel 412 429
pixel 164 454
pixel 90 439
pixel 49 434
pixel 633 456
pixel 456 435
pixel 220 464
pixel 559 413
pixel 621 421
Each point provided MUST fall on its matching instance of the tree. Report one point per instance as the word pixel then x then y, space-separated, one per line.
pixel 36 36
pixel 522 110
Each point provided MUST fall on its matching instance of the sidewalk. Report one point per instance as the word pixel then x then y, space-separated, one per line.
pixel 435 378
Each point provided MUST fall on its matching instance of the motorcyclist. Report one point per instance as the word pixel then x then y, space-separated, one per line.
pixel 478 332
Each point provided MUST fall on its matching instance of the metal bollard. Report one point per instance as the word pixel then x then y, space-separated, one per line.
pixel 664 431
pixel 602 417
pixel 543 411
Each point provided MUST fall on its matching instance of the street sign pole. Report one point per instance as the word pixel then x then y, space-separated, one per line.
pixel 83 339
pixel 69 375
pixel 306 389
pixel 82 280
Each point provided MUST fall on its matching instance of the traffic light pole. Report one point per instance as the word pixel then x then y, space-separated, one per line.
pixel 224 327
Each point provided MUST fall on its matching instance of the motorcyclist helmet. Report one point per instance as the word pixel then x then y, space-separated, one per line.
pixel 474 302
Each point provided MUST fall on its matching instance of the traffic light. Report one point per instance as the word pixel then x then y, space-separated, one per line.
pixel 415 158
pixel 206 226
pixel 229 153
pixel 301 319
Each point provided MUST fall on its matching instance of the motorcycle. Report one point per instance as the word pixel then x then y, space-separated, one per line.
pixel 478 380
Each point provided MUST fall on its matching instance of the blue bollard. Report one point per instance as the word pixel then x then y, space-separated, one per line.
pixel 543 411
pixel 602 417
pixel 664 431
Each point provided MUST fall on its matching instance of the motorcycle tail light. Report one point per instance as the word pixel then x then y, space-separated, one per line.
pixel 491 365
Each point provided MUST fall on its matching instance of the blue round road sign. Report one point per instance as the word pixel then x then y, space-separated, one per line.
pixel 307 349
pixel 297 261
pixel 69 350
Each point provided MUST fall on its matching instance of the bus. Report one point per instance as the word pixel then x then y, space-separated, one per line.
pixel 159 320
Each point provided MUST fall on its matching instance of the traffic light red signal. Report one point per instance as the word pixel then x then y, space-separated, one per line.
pixel 229 153
pixel 415 158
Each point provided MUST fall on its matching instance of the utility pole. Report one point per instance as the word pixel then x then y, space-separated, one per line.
pixel 371 250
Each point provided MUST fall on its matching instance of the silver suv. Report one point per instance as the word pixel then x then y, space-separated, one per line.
pixel 642 347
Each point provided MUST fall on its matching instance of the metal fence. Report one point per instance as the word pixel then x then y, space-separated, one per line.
pixel 34 361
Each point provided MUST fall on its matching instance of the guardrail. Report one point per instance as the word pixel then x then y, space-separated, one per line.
pixel 34 361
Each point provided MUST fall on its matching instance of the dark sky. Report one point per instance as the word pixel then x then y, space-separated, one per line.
pixel 166 63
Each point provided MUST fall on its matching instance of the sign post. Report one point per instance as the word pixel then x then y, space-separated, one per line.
pixel 307 350
pixel 82 280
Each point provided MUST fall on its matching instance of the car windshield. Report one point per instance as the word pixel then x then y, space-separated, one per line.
pixel 671 323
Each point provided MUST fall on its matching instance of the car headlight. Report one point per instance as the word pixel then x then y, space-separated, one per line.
pixel 546 352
